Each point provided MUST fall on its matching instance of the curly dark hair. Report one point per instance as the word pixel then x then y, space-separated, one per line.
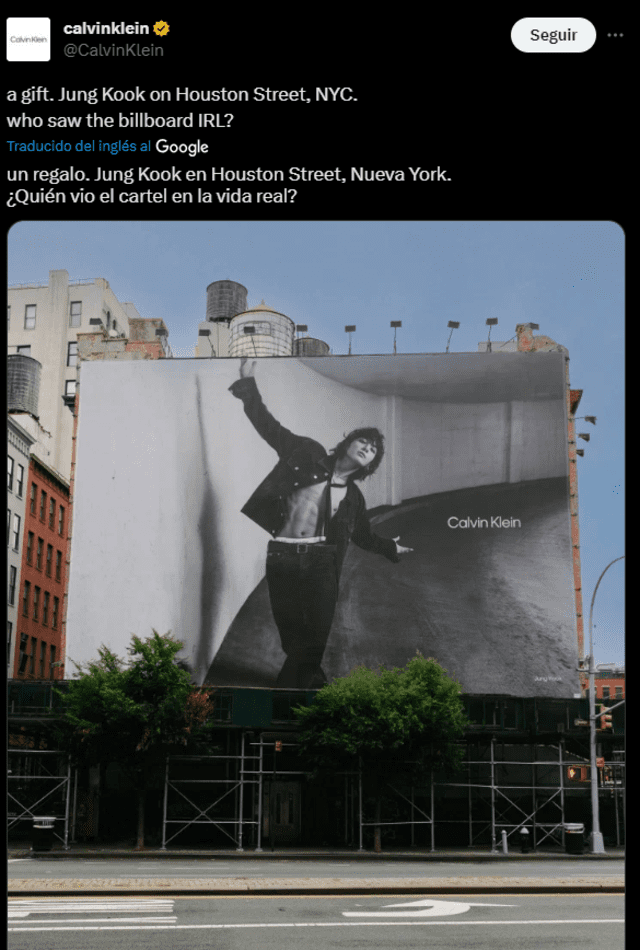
pixel 375 437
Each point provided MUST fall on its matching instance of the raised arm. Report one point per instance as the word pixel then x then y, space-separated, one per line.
pixel 276 435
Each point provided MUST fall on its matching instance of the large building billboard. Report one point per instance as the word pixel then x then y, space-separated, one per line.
pixel 253 509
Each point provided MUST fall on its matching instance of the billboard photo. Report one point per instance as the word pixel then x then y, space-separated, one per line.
pixel 290 518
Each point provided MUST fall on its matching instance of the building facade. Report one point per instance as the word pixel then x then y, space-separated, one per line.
pixel 19 443
pixel 40 642
pixel 43 322
pixel 610 681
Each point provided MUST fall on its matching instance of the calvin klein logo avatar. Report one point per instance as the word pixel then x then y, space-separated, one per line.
pixel 496 521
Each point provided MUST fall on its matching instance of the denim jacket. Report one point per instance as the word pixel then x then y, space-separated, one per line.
pixel 301 462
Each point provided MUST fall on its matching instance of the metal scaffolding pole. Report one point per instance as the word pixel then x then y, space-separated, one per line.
pixel 346 810
pixel 66 806
pixel 163 846
pixel 259 844
pixel 533 796
pixel 469 799
pixel 433 817
pixel 75 806
pixel 413 837
pixel 493 800
pixel 561 776
pixel 241 805
pixel 360 802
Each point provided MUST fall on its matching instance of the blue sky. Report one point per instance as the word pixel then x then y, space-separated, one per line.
pixel 566 276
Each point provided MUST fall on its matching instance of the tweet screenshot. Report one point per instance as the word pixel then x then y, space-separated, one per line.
pixel 316 393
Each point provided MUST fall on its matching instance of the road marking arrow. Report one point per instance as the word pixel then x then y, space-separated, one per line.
pixel 422 908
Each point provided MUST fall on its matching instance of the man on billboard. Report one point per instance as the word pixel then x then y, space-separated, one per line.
pixel 312 508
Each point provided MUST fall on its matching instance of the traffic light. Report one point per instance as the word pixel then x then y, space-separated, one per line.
pixel 578 773
pixel 604 720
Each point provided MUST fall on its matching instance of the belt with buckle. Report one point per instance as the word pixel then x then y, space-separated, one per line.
pixel 299 548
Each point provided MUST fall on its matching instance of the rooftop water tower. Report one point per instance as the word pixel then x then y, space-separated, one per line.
pixel 225 298
pixel 23 384
pixel 261 331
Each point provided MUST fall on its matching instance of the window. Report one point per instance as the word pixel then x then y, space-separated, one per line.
pixel 43 504
pixel 32 655
pixel 52 660
pixel 54 616
pixel 13 577
pixel 10 466
pixel 605 692
pixel 30 539
pixel 16 532
pixel 36 603
pixel 8 526
pixel 9 636
pixel 49 560
pixel 30 316
pixel 52 512
pixel 34 492
pixel 24 643
pixel 39 551
pixel 75 313
pixel 45 608
pixel 61 521
pixel 70 387
pixel 43 657
pixel 25 599
pixel 618 692
pixel 58 565
pixel 20 481
pixel 72 353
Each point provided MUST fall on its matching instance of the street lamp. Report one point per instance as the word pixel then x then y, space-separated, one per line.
pixel 250 330
pixel 395 324
pixel 453 325
pixel 491 322
pixel 350 329
pixel 597 846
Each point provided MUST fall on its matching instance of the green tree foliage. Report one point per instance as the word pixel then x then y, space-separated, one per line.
pixel 134 713
pixel 392 724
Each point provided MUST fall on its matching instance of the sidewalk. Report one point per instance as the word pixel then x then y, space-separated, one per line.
pixel 606 875
pixel 122 850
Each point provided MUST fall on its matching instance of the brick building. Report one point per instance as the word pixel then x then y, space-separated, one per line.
pixel 19 443
pixel 609 681
pixel 40 637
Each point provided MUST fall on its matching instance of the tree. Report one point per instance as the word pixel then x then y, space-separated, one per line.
pixel 386 722
pixel 134 714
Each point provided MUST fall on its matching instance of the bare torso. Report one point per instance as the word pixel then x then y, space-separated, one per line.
pixel 304 509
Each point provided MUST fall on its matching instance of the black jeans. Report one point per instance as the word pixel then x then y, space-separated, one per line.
pixel 303 588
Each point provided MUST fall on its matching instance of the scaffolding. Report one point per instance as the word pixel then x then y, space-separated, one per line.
pixel 242 792
pixel 229 805
pixel 30 773
pixel 500 801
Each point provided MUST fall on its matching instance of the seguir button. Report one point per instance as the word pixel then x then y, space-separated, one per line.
pixel 553 35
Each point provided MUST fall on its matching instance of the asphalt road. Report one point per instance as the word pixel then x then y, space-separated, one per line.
pixel 591 922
